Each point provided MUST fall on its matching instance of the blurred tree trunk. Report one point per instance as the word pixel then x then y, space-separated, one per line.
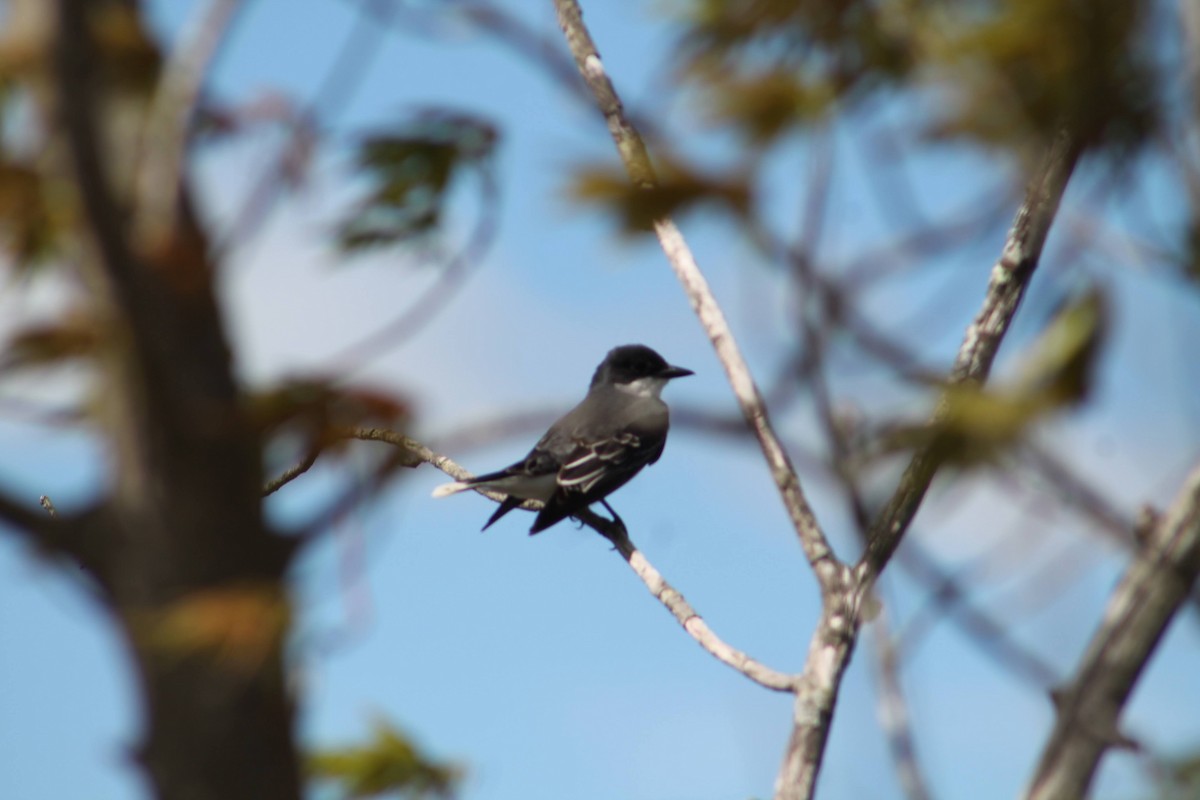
pixel 178 546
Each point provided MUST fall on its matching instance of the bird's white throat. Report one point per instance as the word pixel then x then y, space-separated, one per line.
pixel 644 387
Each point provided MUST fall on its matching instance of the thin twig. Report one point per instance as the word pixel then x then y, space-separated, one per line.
pixel 35 527
pixel 352 61
pixel 893 713
pixel 684 614
pixel 951 598
pixel 291 473
pixel 1139 610
pixel 48 504
pixel 80 538
pixel 426 307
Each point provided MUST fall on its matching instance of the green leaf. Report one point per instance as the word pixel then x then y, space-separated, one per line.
pixel 775 64
pixel 389 763
pixel 678 189
pixel 974 425
pixel 1026 68
pixel 1060 365
pixel 409 172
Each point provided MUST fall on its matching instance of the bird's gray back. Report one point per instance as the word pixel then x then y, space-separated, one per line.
pixel 605 409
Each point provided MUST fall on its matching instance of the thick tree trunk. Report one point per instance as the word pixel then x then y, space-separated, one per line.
pixel 178 547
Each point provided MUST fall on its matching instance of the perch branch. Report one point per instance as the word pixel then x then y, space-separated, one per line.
pixel 666 594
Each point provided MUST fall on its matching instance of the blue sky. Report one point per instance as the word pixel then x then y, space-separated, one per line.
pixel 541 664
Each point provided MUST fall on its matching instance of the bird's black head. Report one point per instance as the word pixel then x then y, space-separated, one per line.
pixel 631 362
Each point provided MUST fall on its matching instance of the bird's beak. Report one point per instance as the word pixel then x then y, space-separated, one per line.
pixel 675 372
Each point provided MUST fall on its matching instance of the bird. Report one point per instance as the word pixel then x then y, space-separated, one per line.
pixel 593 449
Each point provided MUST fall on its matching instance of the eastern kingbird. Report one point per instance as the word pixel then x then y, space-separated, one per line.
pixel 593 450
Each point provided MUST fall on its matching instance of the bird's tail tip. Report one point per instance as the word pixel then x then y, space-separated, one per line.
pixel 447 489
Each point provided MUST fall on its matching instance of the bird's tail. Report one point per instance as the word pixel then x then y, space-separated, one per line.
pixel 447 489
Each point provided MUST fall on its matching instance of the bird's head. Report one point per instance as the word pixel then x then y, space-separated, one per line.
pixel 637 369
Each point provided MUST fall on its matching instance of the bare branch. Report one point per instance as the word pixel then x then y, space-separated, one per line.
pixel 164 140
pixel 352 497
pixel 637 164
pixel 291 473
pixel 893 713
pixel 1009 279
pixel 683 612
pixel 829 653
pixel 45 502
pixel 833 641
pixel 39 528
pixel 82 540
pixel 666 594
pixel 452 275
pixel 353 60
pixel 951 599
pixel 1141 607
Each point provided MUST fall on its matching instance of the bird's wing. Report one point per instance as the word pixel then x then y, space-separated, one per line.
pixel 605 464
pixel 593 469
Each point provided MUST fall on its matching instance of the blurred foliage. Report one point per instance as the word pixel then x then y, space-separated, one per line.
pixel 677 189
pixel 387 765
pixel 72 335
pixel 410 171
pixel 1012 69
pixel 1060 366
pixel 27 229
pixel 240 626
pixel 974 425
pixel 1030 67
pixel 128 52
pixel 318 412
pixel 1179 779
pixel 32 210
pixel 768 64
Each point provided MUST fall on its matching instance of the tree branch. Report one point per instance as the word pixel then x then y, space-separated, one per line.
pixel 164 139
pixel 683 612
pixel 291 473
pixel 43 529
pixel 833 641
pixel 1141 607
pixel 333 94
pixel 636 160
pixel 666 594
pixel 1010 277
pixel 894 716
